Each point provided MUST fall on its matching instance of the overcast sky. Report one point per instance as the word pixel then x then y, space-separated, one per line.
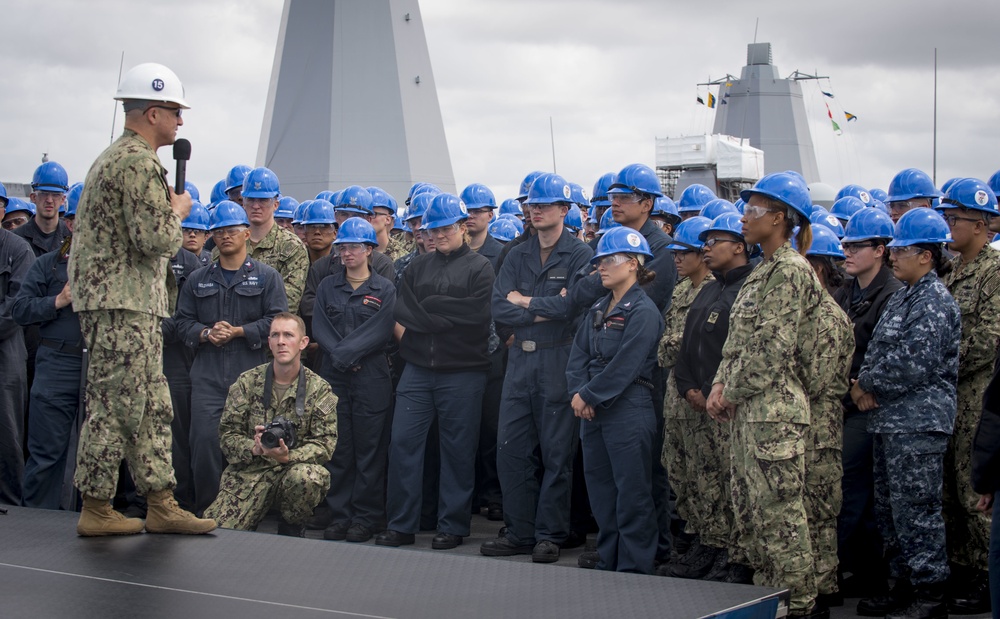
pixel 613 75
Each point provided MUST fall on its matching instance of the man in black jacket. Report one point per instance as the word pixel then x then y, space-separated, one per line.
pixel 986 473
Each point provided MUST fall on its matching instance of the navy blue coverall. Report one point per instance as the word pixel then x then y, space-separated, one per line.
pixel 353 328
pixel 613 358
pixel 254 296
pixel 537 430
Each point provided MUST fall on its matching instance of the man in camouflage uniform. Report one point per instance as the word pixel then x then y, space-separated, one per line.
pixel 270 243
pixel 826 352
pixel 974 281
pixel 128 227
pixel 292 478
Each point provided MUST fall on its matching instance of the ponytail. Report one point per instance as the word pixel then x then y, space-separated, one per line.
pixel 942 266
pixel 804 238
pixel 643 275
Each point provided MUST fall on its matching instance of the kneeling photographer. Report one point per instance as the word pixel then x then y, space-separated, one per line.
pixel 278 429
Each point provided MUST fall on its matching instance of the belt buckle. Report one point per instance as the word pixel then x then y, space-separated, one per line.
pixel 528 346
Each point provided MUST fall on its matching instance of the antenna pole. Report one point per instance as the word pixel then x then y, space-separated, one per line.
pixel 114 115
pixel 934 164
pixel 756 23
pixel 552 136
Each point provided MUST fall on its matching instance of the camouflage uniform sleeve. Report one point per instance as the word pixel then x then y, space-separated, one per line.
pixel 670 343
pixel 903 358
pixel 321 407
pixel 153 227
pixel 295 272
pixel 981 328
pixel 765 346
pixel 236 443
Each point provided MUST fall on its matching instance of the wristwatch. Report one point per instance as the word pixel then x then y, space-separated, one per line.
pixel 205 332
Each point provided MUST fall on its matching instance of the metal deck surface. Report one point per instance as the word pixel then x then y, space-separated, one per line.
pixel 46 570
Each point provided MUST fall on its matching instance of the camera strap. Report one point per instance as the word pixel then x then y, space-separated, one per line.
pixel 300 391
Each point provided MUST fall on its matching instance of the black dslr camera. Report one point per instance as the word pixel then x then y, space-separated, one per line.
pixel 278 429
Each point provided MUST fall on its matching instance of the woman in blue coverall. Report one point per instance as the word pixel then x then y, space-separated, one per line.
pixel 609 372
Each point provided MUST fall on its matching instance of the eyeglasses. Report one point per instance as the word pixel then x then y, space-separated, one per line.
pixel 263 203
pixel 194 231
pixel 612 260
pixel 899 252
pixel 903 205
pixel 480 211
pixel 443 231
pixel 538 207
pixel 712 242
pixel 14 222
pixel 853 248
pixel 320 227
pixel 351 248
pixel 625 198
pixel 756 212
pixel 953 219
pixel 42 195
pixel 175 110
pixel 228 231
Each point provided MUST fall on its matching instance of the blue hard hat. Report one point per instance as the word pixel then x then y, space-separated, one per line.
pixel 607 222
pixel 918 226
pixel 740 204
pixel 825 243
pixel 573 218
pixel 235 177
pixel 549 189
pixel 716 207
pixel 665 207
pixel 50 176
pixel 444 210
pixel 636 178
pixel 844 207
pixel 478 195
pixel 218 192
pixel 970 193
pixel 687 236
pixel 994 182
pixel 881 207
pixel 73 199
pixel 911 183
pixel 599 197
pixel 356 230
pixel 948 183
pixel 727 222
pixel 260 183
pixel 827 220
pixel 381 198
pixel 198 218
pixel 418 188
pixel 228 213
pixel 326 195
pixel 318 212
pixel 857 191
pixel 578 195
pixel 299 210
pixel 866 224
pixel 191 189
pixel 592 215
pixel 786 187
pixel 3 196
pixel 503 229
pixel 419 204
pixel 286 208
pixel 511 207
pixel 621 240
pixel 878 194
pixel 355 199
pixel 694 197
pixel 526 184
pixel 17 204
pixel 514 220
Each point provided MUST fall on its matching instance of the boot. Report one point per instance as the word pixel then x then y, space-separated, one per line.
pixel 880 605
pixel 928 603
pixel 974 598
pixel 98 518
pixel 165 516
pixel 694 564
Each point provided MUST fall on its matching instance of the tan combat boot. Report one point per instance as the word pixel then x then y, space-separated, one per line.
pixel 98 518
pixel 164 515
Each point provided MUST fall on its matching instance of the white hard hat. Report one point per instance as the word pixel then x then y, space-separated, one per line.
pixel 152 82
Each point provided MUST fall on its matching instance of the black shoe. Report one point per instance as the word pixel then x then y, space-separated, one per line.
pixel 545 551
pixel 720 568
pixel 337 532
pixel 573 540
pixel 694 564
pixel 830 600
pixel 816 612
pixel 503 547
pixel 358 533
pixel 494 512
pixel 394 538
pixel 881 605
pixel 291 530
pixel 922 608
pixel 973 599
pixel 736 573
pixel 588 560
pixel 321 518
pixel 445 541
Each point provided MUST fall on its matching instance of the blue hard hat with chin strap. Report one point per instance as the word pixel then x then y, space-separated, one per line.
pixel 235 177
pixel 50 176
pixel 972 194
pixel 444 210
pixel 787 187
pixel 687 236
pixel 228 213
pixel 621 240
pixel 636 178
pixel 356 230
pixel 920 226
pixel 867 224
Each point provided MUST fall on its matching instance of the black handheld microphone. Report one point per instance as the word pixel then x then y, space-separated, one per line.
pixel 182 152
